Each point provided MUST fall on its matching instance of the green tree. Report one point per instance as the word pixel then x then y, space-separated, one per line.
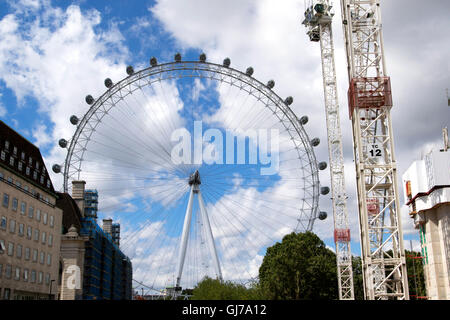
pixel 214 289
pixel 416 278
pixel 358 284
pixel 300 267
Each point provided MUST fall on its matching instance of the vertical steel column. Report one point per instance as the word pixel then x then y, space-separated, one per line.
pixel 370 101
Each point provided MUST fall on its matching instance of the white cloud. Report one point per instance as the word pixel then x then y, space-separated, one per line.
pixel 40 134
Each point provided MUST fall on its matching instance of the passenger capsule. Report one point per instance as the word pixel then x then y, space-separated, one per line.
pixel 108 83
pixel 324 190
pixel 130 70
pixel 315 142
pixel 322 215
pixel 89 99
pixel 304 120
pixel 202 57
pixel 270 84
pixel 56 168
pixel 177 57
pixel 322 165
pixel 62 143
pixel 226 62
pixel 289 100
pixel 249 71
pixel 74 120
pixel 153 62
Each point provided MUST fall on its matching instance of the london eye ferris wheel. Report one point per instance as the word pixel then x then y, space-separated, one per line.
pixel 203 165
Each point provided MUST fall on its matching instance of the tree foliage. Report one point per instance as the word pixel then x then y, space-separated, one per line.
pixel 300 267
pixel 416 278
pixel 214 289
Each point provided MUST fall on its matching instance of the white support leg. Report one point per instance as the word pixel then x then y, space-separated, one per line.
pixel 209 235
pixel 185 235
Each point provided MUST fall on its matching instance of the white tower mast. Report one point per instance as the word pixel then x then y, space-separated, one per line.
pixel 194 182
pixel 370 101
pixel 318 18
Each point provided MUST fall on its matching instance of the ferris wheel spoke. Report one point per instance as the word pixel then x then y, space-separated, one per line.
pixel 136 137
pixel 267 225
pixel 244 223
pixel 250 244
pixel 262 199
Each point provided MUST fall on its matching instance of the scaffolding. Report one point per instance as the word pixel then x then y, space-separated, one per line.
pixel 107 271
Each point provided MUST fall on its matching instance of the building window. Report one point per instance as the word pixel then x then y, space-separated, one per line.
pixel 6 294
pixel 36 234
pixel 20 165
pixel 42 180
pixel 6 144
pixel 20 229
pixel 42 257
pixel 10 249
pixel 15 204
pixel 41 277
pixel 47 278
pixel 30 212
pixel 2 246
pixel 27 253
pixel 33 276
pixel 43 238
pixel 1 175
pixel 1 270
pixel 19 251
pixel 17 274
pixel 34 175
pixel 18 184
pixel 49 259
pixel 38 215
pixel 50 240
pixel 37 165
pixel 45 218
pixel 8 271
pixel 29 233
pixel 35 255
pixel 3 223
pixel 12 226
pixel 22 156
pixel 48 183
pixel 52 221
pixel 11 161
pixel 30 162
pixel 25 188
pixel 5 200
pixel 3 155
pixel 10 180
pixel 25 275
pixel 15 151
pixel 27 170
pixel 23 207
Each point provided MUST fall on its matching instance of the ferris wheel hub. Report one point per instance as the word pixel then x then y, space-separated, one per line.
pixel 194 179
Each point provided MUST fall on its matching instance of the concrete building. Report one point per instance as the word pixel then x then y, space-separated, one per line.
pixel 94 266
pixel 30 225
pixel 427 195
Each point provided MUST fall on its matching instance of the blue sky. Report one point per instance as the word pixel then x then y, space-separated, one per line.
pixel 54 53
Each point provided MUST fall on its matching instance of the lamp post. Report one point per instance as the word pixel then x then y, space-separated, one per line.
pixel 50 293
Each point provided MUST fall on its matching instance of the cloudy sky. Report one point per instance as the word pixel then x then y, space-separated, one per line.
pixel 54 53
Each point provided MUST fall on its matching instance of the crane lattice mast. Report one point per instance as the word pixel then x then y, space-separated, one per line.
pixel 318 18
pixel 370 102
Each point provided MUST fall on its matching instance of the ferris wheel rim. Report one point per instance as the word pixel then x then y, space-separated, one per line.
pixel 214 69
